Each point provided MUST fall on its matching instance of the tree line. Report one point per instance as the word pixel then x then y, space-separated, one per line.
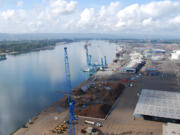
pixel 28 45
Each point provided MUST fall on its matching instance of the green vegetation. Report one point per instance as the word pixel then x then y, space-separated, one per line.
pixel 27 46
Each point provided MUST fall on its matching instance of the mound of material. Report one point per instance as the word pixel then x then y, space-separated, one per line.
pixel 96 111
pixel 98 99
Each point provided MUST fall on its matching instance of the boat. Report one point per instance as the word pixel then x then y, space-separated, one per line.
pixel 86 69
pixel 90 69
pixel 2 57
pixel 119 51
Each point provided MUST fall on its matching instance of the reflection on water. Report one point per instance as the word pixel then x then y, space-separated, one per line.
pixel 28 82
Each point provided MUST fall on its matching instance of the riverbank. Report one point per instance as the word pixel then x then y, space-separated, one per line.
pixel 19 47
pixel 57 112
pixel 44 122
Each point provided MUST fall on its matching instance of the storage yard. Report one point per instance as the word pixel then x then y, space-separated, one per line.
pixel 137 94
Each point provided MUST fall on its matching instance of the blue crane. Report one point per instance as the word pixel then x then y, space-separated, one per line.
pixel 89 62
pixel 105 61
pixel 71 103
pixel 88 57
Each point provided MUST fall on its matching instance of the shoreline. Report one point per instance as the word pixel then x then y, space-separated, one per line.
pixel 49 108
pixel 40 114
pixel 59 103
pixel 51 47
pixel 30 47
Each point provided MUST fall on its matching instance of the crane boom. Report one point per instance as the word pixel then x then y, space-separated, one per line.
pixel 71 103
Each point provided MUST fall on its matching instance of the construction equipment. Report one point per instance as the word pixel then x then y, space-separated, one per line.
pixel 71 103
pixel 59 129
pixel 97 124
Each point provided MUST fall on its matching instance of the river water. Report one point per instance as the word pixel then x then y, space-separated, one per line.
pixel 28 82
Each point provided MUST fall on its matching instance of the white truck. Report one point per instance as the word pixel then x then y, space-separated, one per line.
pixel 97 124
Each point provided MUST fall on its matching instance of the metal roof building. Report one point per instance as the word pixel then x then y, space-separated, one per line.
pixel 171 129
pixel 162 104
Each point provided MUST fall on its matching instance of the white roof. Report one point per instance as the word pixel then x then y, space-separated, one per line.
pixel 171 129
pixel 159 104
pixel 131 64
pixel 160 50
pixel 175 56
pixel 135 59
pixel 176 51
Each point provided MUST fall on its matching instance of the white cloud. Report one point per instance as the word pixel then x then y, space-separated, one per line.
pixel 61 16
pixel 7 14
pixel 100 20
pixel 175 20
pixel 147 21
pixel 87 17
pixel 154 17
pixel 59 7
pixel 20 3
pixel 45 18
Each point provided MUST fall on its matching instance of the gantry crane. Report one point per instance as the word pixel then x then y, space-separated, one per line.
pixel 88 57
pixel 89 62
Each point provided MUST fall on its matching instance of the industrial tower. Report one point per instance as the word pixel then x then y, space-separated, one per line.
pixel 71 103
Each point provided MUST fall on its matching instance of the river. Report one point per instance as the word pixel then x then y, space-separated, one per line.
pixel 28 82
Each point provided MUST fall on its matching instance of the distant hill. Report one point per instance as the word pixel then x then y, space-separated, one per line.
pixel 44 36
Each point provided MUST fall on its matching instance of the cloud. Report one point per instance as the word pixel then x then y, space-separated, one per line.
pixel 154 17
pixel 160 17
pixel 45 18
pixel 175 20
pixel 59 7
pixel 87 17
pixel 52 16
pixel 100 20
pixel 7 14
pixel 20 3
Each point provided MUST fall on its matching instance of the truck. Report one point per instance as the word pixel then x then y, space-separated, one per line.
pixel 97 124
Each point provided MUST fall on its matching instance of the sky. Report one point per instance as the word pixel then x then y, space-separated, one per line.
pixel 155 17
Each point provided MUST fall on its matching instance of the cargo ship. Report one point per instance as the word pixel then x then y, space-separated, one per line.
pixel 2 57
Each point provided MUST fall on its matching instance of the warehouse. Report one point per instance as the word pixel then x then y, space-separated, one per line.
pixel 158 105
pixel 175 55
pixel 135 64
pixel 171 129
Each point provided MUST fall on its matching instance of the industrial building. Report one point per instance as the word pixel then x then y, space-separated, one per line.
pixel 155 51
pixel 154 54
pixel 175 55
pixel 135 64
pixel 161 105
pixel 171 129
